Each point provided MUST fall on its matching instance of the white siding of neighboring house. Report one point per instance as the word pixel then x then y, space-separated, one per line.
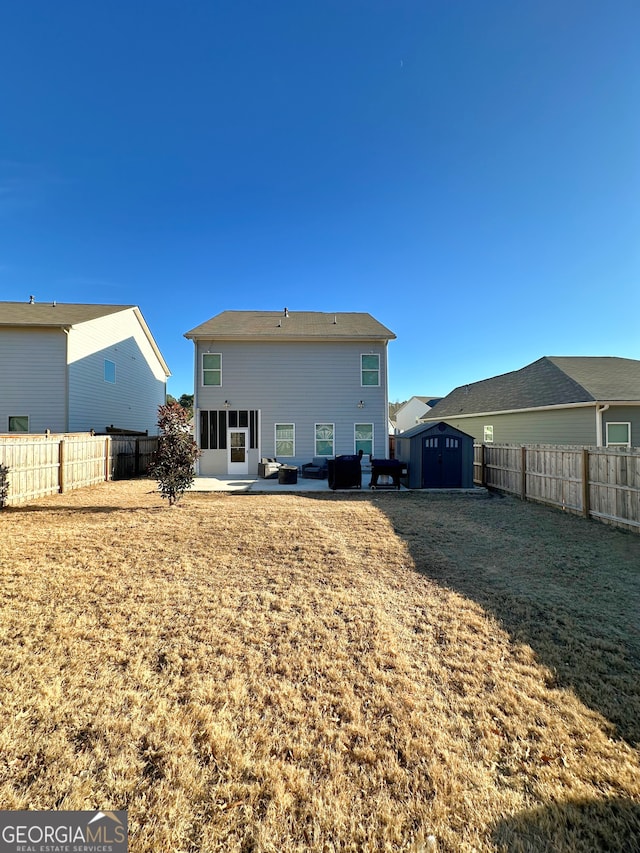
pixel 33 378
pixel 303 383
pixel 408 415
pixel 140 387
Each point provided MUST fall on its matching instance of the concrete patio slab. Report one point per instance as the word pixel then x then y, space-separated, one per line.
pixel 255 484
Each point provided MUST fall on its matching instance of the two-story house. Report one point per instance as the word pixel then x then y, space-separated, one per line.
pixel 75 368
pixel 291 384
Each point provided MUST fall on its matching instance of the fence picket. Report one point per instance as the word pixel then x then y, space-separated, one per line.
pixel 42 465
pixel 596 482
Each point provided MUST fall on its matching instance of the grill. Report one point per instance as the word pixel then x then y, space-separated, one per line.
pixel 393 468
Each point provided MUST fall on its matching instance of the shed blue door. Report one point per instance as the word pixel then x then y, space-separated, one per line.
pixel 442 462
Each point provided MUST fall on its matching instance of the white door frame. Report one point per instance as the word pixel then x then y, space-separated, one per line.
pixel 238 467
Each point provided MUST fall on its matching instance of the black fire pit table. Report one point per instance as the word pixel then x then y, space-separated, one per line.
pixel 393 468
pixel 287 475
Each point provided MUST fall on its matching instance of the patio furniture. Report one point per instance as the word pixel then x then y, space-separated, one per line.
pixel 268 468
pixel 316 469
pixel 392 468
pixel 287 475
pixel 345 472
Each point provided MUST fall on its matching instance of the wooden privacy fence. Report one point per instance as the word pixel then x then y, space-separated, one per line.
pixel 596 482
pixel 48 464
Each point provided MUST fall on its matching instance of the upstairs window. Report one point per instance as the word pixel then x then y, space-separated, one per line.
pixel 109 371
pixel 212 368
pixel 488 434
pixel 285 440
pixel 619 435
pixel 18 423
pixel 370 369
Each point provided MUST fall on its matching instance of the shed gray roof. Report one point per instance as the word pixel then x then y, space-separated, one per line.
pixel 296 325
pixel 53 314
pixel 427 427
pixel 550 381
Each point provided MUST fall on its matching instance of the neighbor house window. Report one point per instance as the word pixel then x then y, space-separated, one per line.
pixel 619 435
pixel 324 440
pixel 488 435
pixel 212 368
pixel 370 369
pixel 18 423
pixel 364 438
pixel 285 440
pixel 109 371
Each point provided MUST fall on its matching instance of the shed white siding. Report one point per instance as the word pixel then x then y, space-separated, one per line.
pixel 33 378
pixel 131 402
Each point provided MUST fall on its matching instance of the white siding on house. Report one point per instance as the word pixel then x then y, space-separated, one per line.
pixel 140 387
pixel 33 378
pixel 302 383
pixel 407 416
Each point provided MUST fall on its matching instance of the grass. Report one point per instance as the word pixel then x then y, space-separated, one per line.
pixel 327 673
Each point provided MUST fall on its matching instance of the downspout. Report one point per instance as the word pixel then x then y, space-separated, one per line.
pixel 386 399
pixel 66 379
pixel 196 407
pixel 600 409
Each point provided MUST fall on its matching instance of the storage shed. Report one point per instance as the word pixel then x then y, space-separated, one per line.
pixel 439 456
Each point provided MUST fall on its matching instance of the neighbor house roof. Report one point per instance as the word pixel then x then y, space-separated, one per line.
pixel 58 314
pixel 550 381
pixel 65 315
pixel 291 325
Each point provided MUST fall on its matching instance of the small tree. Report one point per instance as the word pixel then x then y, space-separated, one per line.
pixel 172 464
pixel 4 485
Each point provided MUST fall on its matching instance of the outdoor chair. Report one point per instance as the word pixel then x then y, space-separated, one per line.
pixel 317 469
pixel 268 468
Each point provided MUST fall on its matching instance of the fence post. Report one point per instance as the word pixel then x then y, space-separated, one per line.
pixel 62 458
pixel 585 482
pixel 483 473
pixel 136 459
pixel 107 457
pixel 523 467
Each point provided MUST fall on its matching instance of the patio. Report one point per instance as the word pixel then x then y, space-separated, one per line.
pixel 256 484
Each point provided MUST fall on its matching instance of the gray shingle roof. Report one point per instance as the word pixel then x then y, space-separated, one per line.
pixel 301 325
pixel 550 381
pixel 47 314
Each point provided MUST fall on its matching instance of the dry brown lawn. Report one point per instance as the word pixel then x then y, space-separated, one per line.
pixel 350 672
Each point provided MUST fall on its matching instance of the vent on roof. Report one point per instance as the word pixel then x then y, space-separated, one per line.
pixel 286 312
pixel 335 320
pixel 32 300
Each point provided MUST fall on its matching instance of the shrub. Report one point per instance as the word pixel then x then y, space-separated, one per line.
pixel 4 485
pixel 173 463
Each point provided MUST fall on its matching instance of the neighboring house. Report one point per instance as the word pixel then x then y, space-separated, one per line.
pixel 411 412
pixel 290 385
pixel 75 368
pixel 579 400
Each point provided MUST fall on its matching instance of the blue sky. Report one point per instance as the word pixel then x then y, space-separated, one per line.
pixel 467 172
